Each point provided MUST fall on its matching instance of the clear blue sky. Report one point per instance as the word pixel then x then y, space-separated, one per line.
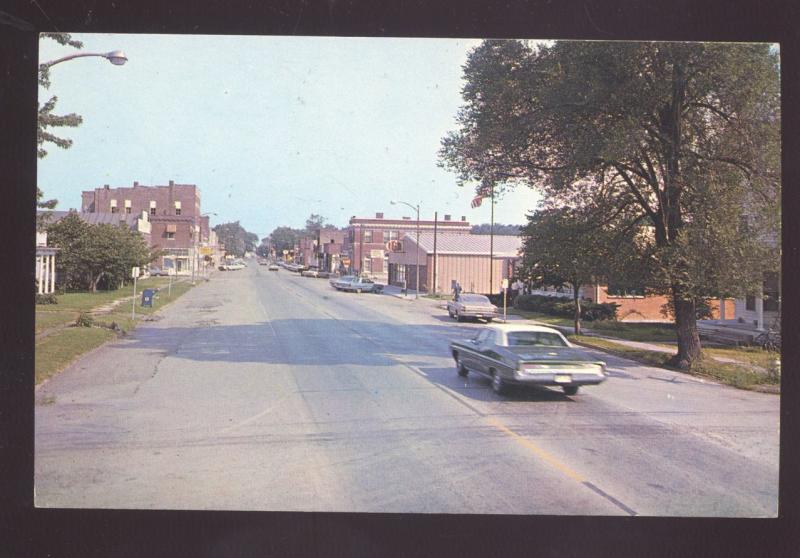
pixel 271 129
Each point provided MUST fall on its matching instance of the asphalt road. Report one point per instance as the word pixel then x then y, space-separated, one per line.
pixel 265 390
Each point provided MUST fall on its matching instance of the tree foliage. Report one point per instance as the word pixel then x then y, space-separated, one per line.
pixel 499 228
pixel 284 238
pixel 236 239
pixel 91 254
pixel 686 135
pixel 47 119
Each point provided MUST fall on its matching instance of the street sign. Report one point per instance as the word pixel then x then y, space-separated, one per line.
pixel 285 252
pixel 206 250
pixel 505 283
pixel 134 272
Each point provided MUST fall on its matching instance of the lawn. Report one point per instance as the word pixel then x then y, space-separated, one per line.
pixel 649 332
pixel 57 350
pixel 738 375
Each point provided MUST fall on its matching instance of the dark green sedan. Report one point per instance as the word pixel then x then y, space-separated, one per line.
pixel 511 354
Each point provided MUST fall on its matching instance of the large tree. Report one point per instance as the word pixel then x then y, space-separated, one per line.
pixel 686 134
pixel 284 238
pixel 91 253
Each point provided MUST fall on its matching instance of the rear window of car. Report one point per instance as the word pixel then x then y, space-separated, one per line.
pixel 535 339
pixel 475 299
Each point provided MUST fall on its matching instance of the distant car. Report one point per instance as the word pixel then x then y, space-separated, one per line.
pixel 263 262
pixel 525 354
pixel 273 267
pixel 362 285
pixel 232 266
pixel 311 272
pixel 323 274
pixel 471 306
pixel 159 272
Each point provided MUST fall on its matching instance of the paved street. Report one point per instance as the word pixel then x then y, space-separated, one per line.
pixel 265 390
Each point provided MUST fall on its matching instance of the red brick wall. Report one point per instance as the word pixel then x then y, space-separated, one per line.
pixel 99 199
pixel 649 307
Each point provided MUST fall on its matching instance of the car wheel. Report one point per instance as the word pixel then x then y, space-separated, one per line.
pixel 570 390
pixel 458 317
pixel 462 370
pixel 449 313
pixel 358 291
pixel 499 386
pixel 489 320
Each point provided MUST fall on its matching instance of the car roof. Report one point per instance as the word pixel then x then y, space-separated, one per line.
pixel 507 328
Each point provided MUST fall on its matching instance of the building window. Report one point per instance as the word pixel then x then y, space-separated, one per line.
pixel 152 211
pixel 128 210
pixel 170 235
pixel 113 209
pixel 367 236
pixel 393 235
pixel 177 211
pixel 750 303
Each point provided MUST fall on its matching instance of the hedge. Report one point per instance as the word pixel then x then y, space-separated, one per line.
pixel 557 306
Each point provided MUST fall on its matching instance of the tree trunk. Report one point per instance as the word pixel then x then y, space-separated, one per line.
pixel 688 335
pixel 577 301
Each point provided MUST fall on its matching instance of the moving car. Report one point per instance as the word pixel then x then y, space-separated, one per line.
pixel 526 354
pixel 362 285
pixel 159 272
pixel 310 272
pixel 273 267
pixel 471 306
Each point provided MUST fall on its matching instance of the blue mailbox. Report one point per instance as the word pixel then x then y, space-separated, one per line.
pixel 147 297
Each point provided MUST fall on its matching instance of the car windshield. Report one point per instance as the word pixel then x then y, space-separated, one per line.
pixel 535 339
pixel 474 299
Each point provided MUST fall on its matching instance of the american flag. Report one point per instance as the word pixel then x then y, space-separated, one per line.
pixel 483 192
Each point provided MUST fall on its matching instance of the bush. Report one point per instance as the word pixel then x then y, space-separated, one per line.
pixel 556 306
pixel 49 298
pixel 84 320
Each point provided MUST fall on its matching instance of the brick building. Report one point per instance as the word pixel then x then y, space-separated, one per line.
pixel 177 226
pixel 366 244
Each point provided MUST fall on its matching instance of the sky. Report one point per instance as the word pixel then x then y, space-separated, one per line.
pixel 271 129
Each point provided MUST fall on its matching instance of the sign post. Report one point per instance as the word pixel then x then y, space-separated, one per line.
pixel 135 275
pixel 505 292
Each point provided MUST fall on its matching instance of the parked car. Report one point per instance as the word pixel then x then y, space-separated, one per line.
pixel 340 282
pixel 273 267
pixel 159 272
pixel 323 274
pixel 471 306
pixel 362 285
pixel 310 272
pixel 511 354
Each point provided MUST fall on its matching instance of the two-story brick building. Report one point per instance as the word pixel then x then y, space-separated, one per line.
pixel 177 227
pixel 367 241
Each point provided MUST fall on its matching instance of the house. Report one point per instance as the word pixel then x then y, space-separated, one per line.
pixel 479 263
pixel 368 241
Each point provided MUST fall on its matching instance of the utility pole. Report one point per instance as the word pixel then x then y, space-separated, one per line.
pixel 435 227
pixel 491 248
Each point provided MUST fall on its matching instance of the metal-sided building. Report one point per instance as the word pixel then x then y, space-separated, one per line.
pixel 447 257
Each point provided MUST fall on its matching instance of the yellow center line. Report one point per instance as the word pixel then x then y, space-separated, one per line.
pixel 538 451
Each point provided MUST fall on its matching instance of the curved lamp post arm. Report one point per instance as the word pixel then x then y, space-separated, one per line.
pixel 116 57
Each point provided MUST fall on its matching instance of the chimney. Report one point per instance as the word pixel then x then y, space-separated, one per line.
pixel 379 215
pixel 463 218
pixel 406 218
pixel 105 186
pixel 135 184
pixel 446 217
pixel 171 183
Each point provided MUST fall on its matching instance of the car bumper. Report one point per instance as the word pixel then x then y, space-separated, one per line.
pixel 474 314
pixel 560 378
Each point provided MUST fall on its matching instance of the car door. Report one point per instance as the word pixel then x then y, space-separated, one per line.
pixel 480 364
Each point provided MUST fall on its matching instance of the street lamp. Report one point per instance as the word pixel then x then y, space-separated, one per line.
pixel 415 208
pixel 116 57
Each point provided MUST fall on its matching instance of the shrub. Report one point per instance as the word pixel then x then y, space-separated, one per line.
pixel 84 320
pixel 555 306
pixel 49 298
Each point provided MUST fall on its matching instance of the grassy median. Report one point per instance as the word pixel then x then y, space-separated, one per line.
pixel 755 370
pixel 62 346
